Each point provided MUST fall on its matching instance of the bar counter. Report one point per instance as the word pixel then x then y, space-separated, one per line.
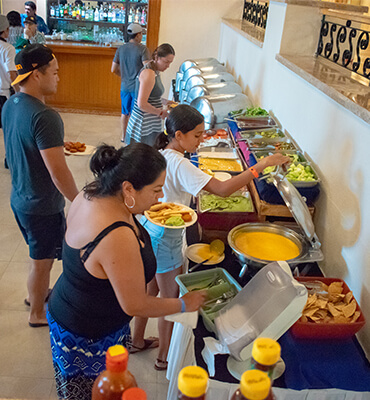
pixel 86 81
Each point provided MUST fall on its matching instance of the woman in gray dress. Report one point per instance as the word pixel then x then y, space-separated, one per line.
pixel 148 112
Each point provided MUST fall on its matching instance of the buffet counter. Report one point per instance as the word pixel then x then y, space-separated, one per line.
pixel 86 81
pixel 325 369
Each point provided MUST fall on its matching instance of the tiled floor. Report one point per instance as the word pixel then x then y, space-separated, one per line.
pixel 26 368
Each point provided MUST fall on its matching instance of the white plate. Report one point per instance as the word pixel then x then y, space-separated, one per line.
pixel 222 176
pixel 193 214
pixel 237 368
pixel 191 253
pixel 89 150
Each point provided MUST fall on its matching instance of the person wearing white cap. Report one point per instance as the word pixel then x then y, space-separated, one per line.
pixel 127 62
pixel 8 71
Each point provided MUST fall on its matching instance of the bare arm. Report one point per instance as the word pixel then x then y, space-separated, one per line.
pixel 13 75
pixel 226 188
pixel 116 69
pixel 147 82
pixel 61 175
pixel 123 267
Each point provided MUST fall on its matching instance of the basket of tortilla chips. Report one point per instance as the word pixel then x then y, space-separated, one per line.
pixel 331 311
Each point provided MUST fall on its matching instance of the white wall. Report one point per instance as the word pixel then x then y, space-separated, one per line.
pixel 192 27
pixel 335 139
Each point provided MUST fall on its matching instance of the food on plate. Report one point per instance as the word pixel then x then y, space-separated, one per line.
pixel 169 214
pixel 75 147
pixel 266 246
pixel 233 203
pixel 328 304
pixel 175 220
pixel 251 111
pixel 219 164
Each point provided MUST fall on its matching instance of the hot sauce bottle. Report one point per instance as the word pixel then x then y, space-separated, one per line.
pixel 265 355
pixel 134 394
pixel 254 385
pixel 110 384
pixel 192 383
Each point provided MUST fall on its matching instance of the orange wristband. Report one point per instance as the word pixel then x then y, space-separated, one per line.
pixel 254 172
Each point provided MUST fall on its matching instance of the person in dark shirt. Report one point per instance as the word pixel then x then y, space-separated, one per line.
pixel 127 62
pixel 34 144
pixel 30 11
pixel 107 261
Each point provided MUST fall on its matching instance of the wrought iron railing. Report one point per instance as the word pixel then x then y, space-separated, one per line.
pixel 346 44
pixel 256 12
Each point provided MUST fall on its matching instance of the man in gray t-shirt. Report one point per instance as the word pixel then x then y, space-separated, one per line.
pixel 127 62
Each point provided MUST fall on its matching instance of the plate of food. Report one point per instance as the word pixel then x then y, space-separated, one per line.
pixel 78 148
pixel 171 215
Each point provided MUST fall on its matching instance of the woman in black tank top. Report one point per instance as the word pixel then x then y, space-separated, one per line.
pixel 107 262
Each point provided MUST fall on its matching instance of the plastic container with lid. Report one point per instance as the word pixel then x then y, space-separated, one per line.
pixel 134 394
pixel 110 384
pixel 254 385
pixel 270 303
pixel 265 354
pixel 192 383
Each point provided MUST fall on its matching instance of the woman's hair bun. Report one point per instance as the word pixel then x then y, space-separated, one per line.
pixel 105 158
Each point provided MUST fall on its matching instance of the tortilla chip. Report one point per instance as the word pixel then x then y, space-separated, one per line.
pixel 310 311
pixel 348 297
pixel 335 288
pixel 355 317
pixel 333 311
pixel 304 319
pixel 341 319
pixel 350 309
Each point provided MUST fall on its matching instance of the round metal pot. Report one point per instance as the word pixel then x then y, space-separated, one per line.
pixel 246 259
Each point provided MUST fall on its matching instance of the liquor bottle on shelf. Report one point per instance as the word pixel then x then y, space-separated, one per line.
pixel 110 16
pixel 143 17
pixel 101 13
pixel 105 13
pixel 131 16
pixel 56 15
pixel 96 15
pixel 137 15
pixel 52 11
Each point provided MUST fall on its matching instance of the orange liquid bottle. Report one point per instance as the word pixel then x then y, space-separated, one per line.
pixel 254 385
pixel 134 394
pixel 112 382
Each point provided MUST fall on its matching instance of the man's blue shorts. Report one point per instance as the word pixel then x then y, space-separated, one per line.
pixel 44 234
pixel 127 101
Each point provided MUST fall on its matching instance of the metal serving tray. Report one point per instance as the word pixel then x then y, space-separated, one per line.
pixel 304 184
pixel 258 134
pixel 267 144
pixel 257 122
pixel 218 152
pixel 240 193
pixel 257 154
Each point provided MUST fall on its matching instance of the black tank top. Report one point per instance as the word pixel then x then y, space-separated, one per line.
pixel 85 305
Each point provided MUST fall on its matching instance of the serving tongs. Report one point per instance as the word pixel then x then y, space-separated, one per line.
pixel 280 172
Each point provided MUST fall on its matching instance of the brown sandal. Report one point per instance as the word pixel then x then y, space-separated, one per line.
pixel 160 365
pixel 149 343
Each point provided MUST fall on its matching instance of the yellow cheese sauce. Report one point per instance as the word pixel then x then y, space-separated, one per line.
pixel 219 164
pixel 266 246
pixel 204 252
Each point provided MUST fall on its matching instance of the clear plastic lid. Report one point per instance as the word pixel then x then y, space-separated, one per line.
pixel 297 206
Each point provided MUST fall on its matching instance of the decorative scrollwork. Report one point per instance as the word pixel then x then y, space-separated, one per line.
pixel 256 13
pixel 344 44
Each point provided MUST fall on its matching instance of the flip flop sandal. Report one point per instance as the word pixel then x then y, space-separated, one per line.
pixel 27 303
pixel 160 365
pixel 150 343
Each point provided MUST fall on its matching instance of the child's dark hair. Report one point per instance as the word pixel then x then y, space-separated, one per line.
pixel 182 118
pixel 137 163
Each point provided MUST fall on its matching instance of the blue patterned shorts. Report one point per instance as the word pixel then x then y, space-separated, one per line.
pixel 78 361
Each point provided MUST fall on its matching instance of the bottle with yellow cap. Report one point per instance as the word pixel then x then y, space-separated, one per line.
pixel 265 355
pixel 254 385
pixel 192 383
pixel 110 384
